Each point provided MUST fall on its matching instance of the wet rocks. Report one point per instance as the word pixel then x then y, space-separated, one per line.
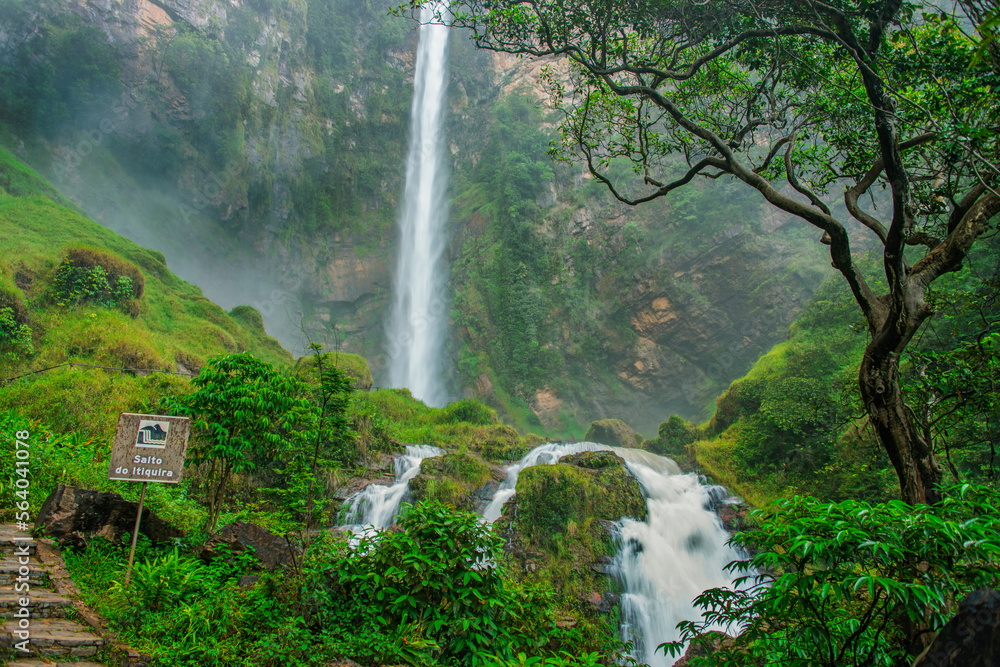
pixel 74 515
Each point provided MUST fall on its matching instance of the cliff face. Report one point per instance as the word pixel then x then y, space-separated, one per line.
pixel 260 144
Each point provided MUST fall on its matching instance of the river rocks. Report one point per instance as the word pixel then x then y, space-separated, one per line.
pixel 613 432
pixel 271 550
pixel 971 638
pixel 74 515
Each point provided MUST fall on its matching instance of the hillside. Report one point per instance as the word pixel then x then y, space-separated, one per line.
pixel 169 330
pixel 261 149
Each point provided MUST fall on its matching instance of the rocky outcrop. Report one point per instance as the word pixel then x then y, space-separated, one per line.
pixel 614 433
pixel 73 515
pixel 971 638
pixel 272 551
pixel 460 479
pixel 561 521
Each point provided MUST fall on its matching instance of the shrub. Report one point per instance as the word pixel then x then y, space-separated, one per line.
pixel 15 334
pixel 249 317
pixel 167 580
pixel 849 583
pixel 468 410
pixel 90 275
pixel 429 591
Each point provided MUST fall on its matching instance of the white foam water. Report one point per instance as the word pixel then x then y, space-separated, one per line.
pixel 376 505
pixel 664 562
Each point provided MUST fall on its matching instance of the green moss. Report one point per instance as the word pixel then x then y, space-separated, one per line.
pixel 613 432
pixel 451 479
pixel 592 485
pixel 561 522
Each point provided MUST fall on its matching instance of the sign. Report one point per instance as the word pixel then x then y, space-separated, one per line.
pixel 149 448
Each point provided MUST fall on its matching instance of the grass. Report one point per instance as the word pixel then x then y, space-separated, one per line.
pixel 174 324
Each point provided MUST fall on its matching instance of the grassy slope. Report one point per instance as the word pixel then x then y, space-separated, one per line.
pixel 790 425
pixel 176 324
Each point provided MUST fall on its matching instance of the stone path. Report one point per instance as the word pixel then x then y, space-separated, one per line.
pixel 51 632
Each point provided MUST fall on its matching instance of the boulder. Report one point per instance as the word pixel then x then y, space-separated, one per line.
pixel 273 551
pixel 460 479
pixel 74 515
pixel 971 638
pixel 562 521
pixel 613 432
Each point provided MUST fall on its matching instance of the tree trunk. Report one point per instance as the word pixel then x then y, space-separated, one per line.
pixel 918 471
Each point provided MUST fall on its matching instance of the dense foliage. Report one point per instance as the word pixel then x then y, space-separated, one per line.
pixel 849 583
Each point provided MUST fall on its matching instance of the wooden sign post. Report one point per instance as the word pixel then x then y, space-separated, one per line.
pixel 148 448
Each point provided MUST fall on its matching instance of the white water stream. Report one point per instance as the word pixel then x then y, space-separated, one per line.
pixel 416 330
pixel 664 562
pixel 376 505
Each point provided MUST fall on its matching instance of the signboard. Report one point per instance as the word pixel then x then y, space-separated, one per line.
pixel 149 448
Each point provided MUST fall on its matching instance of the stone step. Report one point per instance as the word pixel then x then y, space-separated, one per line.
pixel 10 570
pixel 41 603
pixel 12 539
pixel 52 637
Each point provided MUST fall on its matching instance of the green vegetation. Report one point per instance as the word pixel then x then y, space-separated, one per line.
pixel 58 276
pixel 451 479
pixel 560 528
pixel 849 583
pixel 238 407
pixel 653 81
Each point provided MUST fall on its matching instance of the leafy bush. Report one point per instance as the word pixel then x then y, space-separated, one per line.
pixel 15 337
pixel 167 580
pixel 427 592
pixel 90 275
pixel 468 410
pixel 846 584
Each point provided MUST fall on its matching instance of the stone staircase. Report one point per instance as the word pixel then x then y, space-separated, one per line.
pixel 53 634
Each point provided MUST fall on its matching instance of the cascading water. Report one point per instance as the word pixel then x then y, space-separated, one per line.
pixel 416 326
pixel 542 455
pixel 664 562
pixel 377 504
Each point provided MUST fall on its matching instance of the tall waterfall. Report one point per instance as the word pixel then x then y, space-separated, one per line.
pixel 417 325
pixel 664 562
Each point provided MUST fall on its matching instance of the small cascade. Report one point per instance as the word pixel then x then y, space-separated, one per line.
pixel 547 454
pixel 664 562
pixel 376 505
pixel 669 559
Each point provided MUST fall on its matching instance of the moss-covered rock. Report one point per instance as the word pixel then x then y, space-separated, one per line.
pixel 581 487
pixel 561 525
pixel 675 436
pixel 460 479
pixel 613 432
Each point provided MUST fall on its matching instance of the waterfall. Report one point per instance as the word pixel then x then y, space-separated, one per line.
pixel 417 324
pixel 377 504
pixel 664 562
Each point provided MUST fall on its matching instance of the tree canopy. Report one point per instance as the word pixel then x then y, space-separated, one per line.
pixel 888 106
